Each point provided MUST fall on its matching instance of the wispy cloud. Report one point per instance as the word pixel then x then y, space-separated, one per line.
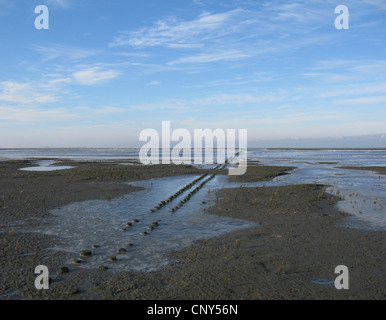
pixel 16 92
pixel 59 3
pixel 234 35
pixel 238 80
pixel 212 57
pixel 154 83
pixel 215 101
pixel 332 77
pixel 94 75
pixel 362 66
pixel 365 100
pixel 64 52
pixel 178 34
pixel 381 5
pixel 59 81
pixel 30 115
pixel 300 13
pixel 353 90
pixel 106 110
pixel 199 3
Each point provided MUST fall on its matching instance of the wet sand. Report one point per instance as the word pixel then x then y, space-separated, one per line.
pixel 292 254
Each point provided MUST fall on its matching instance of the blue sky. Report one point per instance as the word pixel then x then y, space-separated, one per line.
pixel 105 70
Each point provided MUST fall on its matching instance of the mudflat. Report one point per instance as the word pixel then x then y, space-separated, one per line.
pixel 291 254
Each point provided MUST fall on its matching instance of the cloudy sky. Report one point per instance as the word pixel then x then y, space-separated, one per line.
pixel 106 70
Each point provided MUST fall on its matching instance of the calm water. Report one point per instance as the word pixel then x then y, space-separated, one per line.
pixel 364 191
pixel 81 225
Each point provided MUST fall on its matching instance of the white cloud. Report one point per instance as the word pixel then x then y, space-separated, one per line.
pixel 359 66
pixel 332 77
pixel 109 110
pixel 308 13
pixel 381 5
pixel 94 75
pixel 215 100
pixel 59 3
pixel 58 51
pixel 351 90
pixel 256 77
pixel 86 111
pixel 15 92
pixel 31 115
pixel 236 34
pixel 363 100
pixel 199 3
pixel 154 83
pixel 60 81
pixel 212 57
pixel 173 33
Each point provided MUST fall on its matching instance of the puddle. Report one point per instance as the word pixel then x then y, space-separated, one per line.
pixel 8 293
pixel 46 165
pixel 324 281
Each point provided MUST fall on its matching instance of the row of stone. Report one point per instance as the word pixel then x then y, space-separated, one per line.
pixel 191 193
pixel 178 193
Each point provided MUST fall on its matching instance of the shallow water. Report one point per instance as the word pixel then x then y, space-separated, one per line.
pixel 324 281
pixel 46 165
pixel 363 191
pixel 81 225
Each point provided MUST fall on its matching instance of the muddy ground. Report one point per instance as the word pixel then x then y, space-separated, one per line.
pixel 291 254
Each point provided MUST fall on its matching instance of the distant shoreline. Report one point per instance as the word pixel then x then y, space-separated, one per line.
pixel 136 148
pixel 325 149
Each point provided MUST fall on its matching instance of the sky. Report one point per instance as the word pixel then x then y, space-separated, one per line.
pixel 106 70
